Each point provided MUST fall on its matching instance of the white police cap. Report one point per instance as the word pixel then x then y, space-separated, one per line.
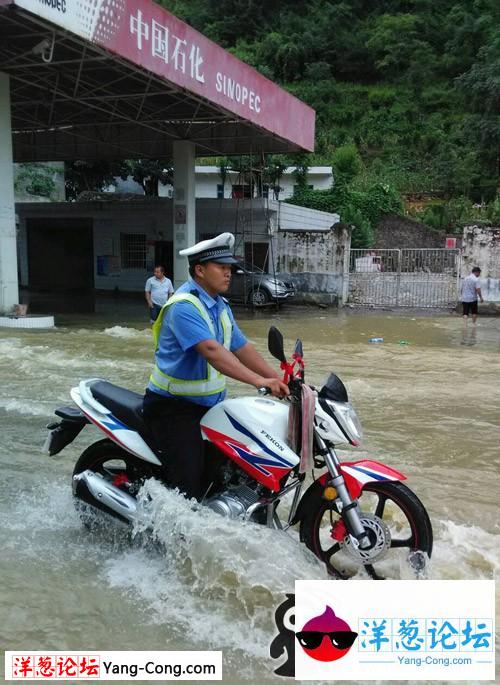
pixel 218 249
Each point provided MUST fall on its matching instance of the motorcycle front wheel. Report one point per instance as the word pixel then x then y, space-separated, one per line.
pixel 396 522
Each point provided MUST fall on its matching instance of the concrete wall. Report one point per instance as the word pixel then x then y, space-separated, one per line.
pixel 481 247
pixel 316 262
pixel 109 220
pixel 394 232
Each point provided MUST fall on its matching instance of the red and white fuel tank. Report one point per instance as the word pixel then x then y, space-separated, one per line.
pixel 252 431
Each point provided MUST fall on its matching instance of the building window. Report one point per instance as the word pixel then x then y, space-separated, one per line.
pixel 220 190
pixel 133 250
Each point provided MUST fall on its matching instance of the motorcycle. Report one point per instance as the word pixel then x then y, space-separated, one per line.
pixel 354 515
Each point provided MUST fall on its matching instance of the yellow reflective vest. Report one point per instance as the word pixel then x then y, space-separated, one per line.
pixel 212 382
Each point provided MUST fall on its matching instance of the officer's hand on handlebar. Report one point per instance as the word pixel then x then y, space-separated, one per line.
pixel 274 386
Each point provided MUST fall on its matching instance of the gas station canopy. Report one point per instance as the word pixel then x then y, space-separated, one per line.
pixel 111 79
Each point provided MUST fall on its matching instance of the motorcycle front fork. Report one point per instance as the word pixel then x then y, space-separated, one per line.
pixel 347 507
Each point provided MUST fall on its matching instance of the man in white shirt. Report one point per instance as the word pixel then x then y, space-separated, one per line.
pixel 157 291
pixel 471 290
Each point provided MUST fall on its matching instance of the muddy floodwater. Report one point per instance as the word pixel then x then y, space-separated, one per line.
pixel 429 400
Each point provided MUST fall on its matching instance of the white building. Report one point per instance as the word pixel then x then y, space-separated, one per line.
pixel 209 184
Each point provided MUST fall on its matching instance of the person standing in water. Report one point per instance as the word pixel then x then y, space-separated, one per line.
pixel 157 290
pixel 471 291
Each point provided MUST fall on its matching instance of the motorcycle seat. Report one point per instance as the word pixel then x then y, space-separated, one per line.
pixel 124 404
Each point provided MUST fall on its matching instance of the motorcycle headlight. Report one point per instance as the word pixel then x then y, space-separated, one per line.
pixel 348 419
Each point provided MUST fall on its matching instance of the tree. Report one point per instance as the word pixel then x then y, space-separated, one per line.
pixel 346 164
pixel 301 162
pixel 468 26
pixel 361 207
pixel 83 176
pixel 396 41
pixel 149 173
pixel 481 89
pixel 36 179
pixel 224 20
pixel 80 176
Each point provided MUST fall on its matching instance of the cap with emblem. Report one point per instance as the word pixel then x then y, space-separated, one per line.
pixel 218 249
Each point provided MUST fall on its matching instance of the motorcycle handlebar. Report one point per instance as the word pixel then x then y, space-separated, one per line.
pixel 265 391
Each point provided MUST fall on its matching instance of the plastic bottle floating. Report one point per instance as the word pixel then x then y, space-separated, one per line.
pixel 376 340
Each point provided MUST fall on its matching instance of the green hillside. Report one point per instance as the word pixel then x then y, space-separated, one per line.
pixel 414 85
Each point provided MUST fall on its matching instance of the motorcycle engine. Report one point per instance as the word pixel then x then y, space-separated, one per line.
pixel 233 502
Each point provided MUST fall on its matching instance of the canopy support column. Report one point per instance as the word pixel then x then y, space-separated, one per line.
pixel 184 206
pixel 9 292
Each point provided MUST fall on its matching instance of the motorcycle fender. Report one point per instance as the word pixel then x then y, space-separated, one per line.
pixel 62 434
pixel 356 475
pixel 311 494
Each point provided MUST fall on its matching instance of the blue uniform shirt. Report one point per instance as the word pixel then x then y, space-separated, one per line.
pixel 183 327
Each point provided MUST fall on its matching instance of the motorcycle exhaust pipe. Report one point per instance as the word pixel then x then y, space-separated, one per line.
pixel 101 494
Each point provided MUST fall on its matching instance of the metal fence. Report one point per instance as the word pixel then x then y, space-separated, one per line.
pixel 416 277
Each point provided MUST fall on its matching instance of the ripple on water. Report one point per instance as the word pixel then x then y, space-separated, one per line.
pixel 26 407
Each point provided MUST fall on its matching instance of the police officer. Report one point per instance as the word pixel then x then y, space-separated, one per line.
pixel 198 344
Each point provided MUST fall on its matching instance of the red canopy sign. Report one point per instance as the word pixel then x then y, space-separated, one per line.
pixel 149 36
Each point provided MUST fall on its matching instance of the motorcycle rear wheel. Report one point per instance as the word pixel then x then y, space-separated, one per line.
pixel 398 508
pixel 111 461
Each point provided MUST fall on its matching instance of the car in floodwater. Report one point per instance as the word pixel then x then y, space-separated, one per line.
pixel 253 286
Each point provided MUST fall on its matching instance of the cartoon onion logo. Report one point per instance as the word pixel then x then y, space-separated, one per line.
pixel 326 637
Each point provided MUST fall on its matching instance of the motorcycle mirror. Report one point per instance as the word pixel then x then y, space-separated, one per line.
pixel 298 347
pixel 275 344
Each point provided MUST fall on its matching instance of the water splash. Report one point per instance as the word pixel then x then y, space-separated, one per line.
pixel 126 333
pixel 465 551
pixel 225 555
pixel 211 578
